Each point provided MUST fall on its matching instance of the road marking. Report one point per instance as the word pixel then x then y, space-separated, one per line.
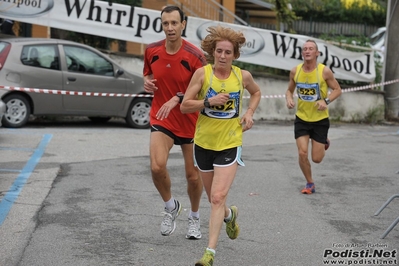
pixel 16 188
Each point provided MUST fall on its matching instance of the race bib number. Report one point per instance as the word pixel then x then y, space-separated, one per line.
pixel 308 92
pixel 228 110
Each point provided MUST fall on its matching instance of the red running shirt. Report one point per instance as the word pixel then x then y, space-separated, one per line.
pixel 173 74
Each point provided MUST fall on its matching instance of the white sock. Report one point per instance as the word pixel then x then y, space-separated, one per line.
pixel 228 218
pixel 194 214
pixel 211 250
pixel 170 204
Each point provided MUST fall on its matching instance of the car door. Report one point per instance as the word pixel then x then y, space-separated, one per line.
pixel 88 72
pixel 38 68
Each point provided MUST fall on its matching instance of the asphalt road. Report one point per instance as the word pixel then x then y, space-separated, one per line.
pixel 74 193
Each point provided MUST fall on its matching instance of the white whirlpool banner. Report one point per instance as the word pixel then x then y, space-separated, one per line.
pixel 264 47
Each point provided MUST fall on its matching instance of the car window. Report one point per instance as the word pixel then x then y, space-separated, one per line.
pixel 44 56
pixel 3 45
pixel 85 61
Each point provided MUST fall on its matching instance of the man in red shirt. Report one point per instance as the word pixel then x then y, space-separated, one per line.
pixel 168 67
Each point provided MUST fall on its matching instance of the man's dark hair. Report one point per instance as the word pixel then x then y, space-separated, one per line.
pixel 169 9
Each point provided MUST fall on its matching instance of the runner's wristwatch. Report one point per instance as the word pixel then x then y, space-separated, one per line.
pixel 206 103
pixel 327 100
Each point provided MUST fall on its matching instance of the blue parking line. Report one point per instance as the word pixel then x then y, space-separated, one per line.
pixel 16 188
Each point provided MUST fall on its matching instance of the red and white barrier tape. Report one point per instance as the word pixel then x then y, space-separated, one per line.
pixel 370 86
pixel 100 94
pixel 77 93
pixel 343 90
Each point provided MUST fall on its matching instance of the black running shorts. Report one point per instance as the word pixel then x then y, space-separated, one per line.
pixel 317 131
pixel 177 140
pixel 205 159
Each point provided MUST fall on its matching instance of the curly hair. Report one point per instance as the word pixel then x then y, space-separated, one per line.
pixel 217 34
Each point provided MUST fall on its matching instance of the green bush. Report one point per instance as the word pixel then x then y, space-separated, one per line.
pixel 333 11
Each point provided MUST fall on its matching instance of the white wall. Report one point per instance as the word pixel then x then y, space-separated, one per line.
pixel 350 107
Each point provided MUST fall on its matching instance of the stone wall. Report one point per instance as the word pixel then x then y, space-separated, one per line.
pixel 350 107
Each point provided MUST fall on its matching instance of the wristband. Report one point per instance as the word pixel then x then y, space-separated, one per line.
pixel 181 96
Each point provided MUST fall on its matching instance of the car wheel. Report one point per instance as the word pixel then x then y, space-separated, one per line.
pixel 17 111
pixel 138 115
pixel 99 119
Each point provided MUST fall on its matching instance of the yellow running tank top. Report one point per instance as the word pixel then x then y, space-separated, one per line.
pixel 218 128
pixel 310 88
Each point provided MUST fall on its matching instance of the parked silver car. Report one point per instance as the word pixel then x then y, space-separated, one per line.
pixel 58 77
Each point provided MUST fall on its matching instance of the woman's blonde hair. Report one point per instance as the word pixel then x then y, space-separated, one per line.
pixel 217 34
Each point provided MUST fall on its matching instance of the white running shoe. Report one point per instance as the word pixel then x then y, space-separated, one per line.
pixel 168 224
pixel 194 231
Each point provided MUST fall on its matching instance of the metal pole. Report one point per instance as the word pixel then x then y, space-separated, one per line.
pixel 391 60
pixel 386 41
